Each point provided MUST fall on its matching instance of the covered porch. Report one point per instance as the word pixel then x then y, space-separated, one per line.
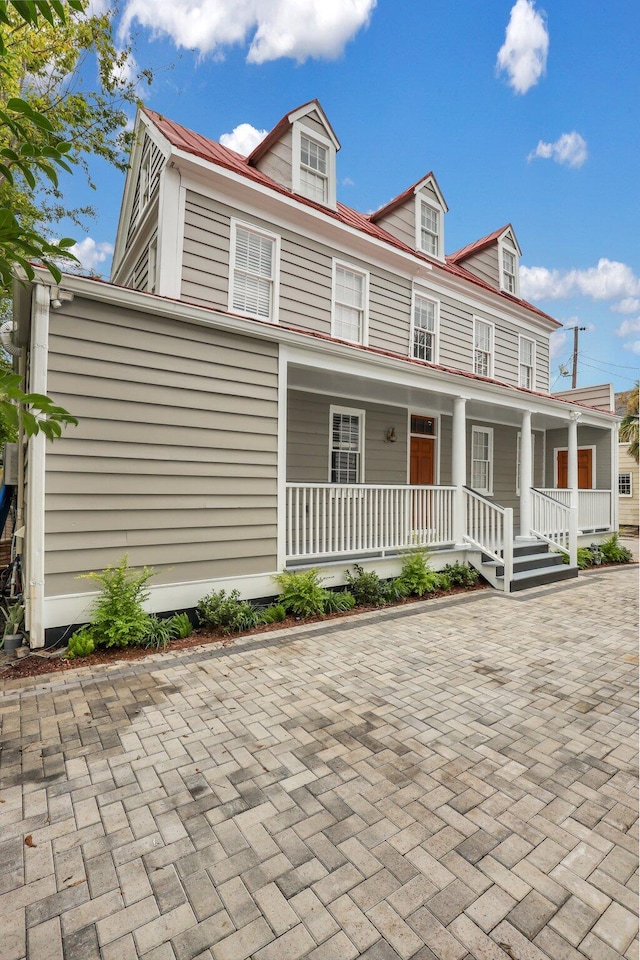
pixel 375 466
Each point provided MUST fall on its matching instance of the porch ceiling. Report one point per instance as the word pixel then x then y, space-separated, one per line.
pixel 430 399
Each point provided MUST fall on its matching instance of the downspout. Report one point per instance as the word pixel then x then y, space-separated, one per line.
pixel 34 575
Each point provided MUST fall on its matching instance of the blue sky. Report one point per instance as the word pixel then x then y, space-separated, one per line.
pixel 525 110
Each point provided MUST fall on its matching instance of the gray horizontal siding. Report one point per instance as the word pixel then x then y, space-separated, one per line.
pixel 485 265
pixel 308 416
pixel 587 437
pixel 174 459
pixel 277 161
pixel 505 441
pixel 400 223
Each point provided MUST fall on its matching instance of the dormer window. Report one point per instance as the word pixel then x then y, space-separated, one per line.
pixel 509 271
pixel 314 169
pixel 430 220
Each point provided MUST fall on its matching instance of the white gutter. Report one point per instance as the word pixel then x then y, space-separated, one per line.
pixel 34 570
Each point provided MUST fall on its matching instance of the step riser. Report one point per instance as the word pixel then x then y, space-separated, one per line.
pixel 543 563
pixel 541 579
pixel 522 550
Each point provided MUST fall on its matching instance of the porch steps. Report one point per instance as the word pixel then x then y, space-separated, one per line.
pixel 533 566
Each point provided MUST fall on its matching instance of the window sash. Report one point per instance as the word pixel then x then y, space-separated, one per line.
pixel 625 485
pixel 483 348
pixel 314 166
pixel 424 329
pixel 429 229
pixel 349 305
pixel 509 271
pixel 253 274
pixel 526 363
pixel 346 447
pixel 481 461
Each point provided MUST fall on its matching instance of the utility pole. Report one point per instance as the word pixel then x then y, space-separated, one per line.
pixel 574 375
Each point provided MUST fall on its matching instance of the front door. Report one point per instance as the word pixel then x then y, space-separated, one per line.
pixel 421 471
pixel 585 474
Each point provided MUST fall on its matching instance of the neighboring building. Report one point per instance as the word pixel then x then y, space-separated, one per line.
pixel 628 475
pixel 273 379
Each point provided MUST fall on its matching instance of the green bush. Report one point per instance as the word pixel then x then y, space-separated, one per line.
pixel 119 619
pixel 273 614
pixel 416 576
pixel 229 613
pixel 613 552
pixel 395 590
pixel 81 644
pixel 302 593
pixel 585 558
pixel 366 586
pixel 461 574
pixel 338 600
pixel 160 632
pixel 183 625
pixel 443 581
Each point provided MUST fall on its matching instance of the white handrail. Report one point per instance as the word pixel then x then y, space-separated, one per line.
pixel 325 519
pixel 489 527
pixel 594 506
pixel 555 522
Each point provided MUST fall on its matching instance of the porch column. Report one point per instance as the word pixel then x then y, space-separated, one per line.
pixel 459 466
pixel 525 474
pixel 615 451
pixel 572 483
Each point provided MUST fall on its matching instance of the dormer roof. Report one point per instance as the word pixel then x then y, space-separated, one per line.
pixel 281 127
pixel 428 180
pixel 483 242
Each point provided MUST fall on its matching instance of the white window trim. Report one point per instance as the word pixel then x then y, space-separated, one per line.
pixel 364 340
pixel 436 332
pixel 533 461
pixel 152 268
pixel 625 473
pixel 514 253
pixel 300 128
pixel 352 412
pixel 586 446
pixel 430 202
pixel 489 432
pixel 275 301
pixel 144 184
pixel 489 323
pixel 533 360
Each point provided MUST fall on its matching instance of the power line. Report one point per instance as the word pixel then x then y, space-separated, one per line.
pixel 608 372
pixel 607 363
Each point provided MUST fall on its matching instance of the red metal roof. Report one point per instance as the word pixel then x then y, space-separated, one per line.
pixel 194 143
pixel 399 200
pixel 478 245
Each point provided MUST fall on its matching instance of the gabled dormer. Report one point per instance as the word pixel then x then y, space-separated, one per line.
pixel 495 259
pixel 300 154
pixel 416 217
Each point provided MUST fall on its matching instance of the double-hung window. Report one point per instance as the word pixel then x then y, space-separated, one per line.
pixel 509 266
pixel 625 488
pixel 347 427
pixel 429 229
pixel 526 369
pixel 314 169
pixel 253 272
pixel 425 319
pixel 482 460
pixel 483 348
pixel 349 303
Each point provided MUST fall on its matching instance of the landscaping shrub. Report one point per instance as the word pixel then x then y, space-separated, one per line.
pixel 160 632
pixel 366 587
pixel 183 625
pixel 119 619
pixel 302 593
pixel 613 552
pixel 461 574
pixel 81 644
pixel 416 576
pixel 273 614
pixel 443 581
pixel 338 600
pixel 229 613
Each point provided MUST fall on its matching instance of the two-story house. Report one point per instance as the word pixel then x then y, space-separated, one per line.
pixel 273 379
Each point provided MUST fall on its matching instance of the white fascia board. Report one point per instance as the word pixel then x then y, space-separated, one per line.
pixel 311 349
pixel 349 241
pixel 431 180
pixel 314 107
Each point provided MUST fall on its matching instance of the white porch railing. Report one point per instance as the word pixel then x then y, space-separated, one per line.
pixel 595 508
pixel 326 519
pixel 489 527
pixel 555 522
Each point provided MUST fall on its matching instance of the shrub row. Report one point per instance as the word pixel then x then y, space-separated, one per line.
pixel 119 618
pixel 611 551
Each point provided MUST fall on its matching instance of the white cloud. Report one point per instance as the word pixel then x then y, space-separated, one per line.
pixel 91 254
pixel 243 138
pixel 557 345
pixel 523 55
pixel 628 305
pixel 569 149
pixel 628 327
pixel 348 182
pixel 633 347
pixel 300 29
pixel 606 281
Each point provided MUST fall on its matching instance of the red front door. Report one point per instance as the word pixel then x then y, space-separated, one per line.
pixel 421 469
pixel 584 469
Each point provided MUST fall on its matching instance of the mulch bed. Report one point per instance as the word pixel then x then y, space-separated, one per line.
pixel 51 661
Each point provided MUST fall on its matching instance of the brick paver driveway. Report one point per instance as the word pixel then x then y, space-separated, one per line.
pixel 452 780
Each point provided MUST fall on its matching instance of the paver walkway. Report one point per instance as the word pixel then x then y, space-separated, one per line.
pixel 448 780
